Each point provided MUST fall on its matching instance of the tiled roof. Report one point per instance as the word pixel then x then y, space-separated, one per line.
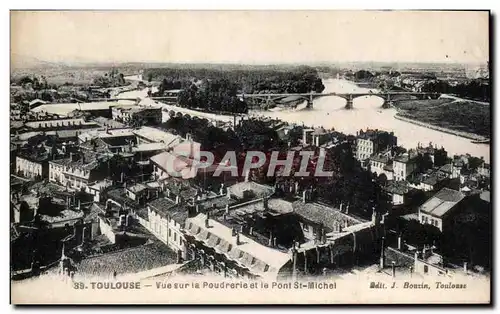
pixel 133 260
pixel 396 187
pixel 260 190
pixel 259 259
pixel 166 207
pixel 323 215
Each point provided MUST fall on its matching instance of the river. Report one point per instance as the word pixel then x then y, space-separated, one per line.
pixel 329 112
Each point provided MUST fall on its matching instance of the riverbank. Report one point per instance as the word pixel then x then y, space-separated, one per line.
pixel 466 135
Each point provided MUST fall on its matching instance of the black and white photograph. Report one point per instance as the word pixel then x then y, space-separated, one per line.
pixel 250 157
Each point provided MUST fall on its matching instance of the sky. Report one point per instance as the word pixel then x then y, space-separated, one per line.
pixel 251 37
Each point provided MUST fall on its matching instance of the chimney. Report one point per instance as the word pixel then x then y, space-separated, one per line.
pixel 127 220
pixel 266 205
pixel 346 224
pixel 71 156
pixel 251 231
pixel 347 209
pixel 393 269
pixel 304 196
pixel 341 205
pixel 197 208
pixel 399 242
pixel 227 209
pixel 238 238
pixel 224 217
pixel 465 267
pixel 206 220
pixel 233 232
pixel 415 258
pixel 177 199
pixel 79 204
pixel 270 239
pixel 274 241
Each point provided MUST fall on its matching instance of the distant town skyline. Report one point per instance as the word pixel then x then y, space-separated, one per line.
pixel 252 37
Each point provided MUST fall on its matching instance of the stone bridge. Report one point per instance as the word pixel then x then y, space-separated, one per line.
pixel 349 97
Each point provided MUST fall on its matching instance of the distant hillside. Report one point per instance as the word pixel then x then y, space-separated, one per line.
pixel 26 62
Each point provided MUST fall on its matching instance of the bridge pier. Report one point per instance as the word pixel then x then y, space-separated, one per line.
pixel 388 103
pixel 310 102
pixel 349 103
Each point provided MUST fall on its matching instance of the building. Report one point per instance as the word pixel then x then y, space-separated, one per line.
pixel 78 170
pixel 109 123
pixel 318 136
pixel 123 134
pixel 148 134
pixel 277 239
pixel 382 164
pixel 36 103
pixel 34 162
pixel 60 124
pixel 438 209
pixel 143 116
pixel 165 219
pixel 396 191
pixel 373 141
pixel 233 254
pixel 428 181
pixel 404 165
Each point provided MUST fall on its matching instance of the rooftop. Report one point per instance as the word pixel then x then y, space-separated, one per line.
pixel 132 260
pixel 106 122
pixel 58 123
pixel 380 158
pixel 259 259
pixel 66 108
pixel 157 135
pixel 166 207
pixel 136 188
pixel 397 187
pixel 67 214
pixel 323 215
pixel 148 147
pixel 442 202
pixel 259 190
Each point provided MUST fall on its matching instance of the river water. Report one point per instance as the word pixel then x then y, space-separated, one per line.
pixel 329 112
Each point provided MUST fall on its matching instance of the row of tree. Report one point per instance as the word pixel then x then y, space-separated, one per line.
pixel 350 183
pixel 474 89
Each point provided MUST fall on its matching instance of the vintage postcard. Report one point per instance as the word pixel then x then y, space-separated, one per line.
pixel 250 157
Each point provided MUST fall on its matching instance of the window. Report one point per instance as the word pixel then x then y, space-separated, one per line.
pixel 426 269
pixel 169 232
pixel 306 227
pixel 175 237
